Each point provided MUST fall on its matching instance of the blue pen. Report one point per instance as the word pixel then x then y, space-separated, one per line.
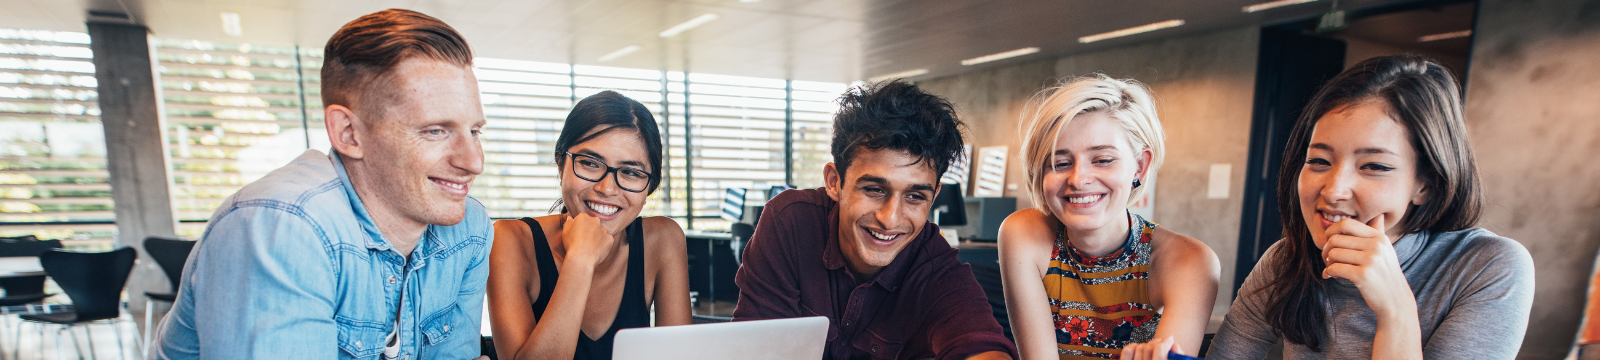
pixel 1177 356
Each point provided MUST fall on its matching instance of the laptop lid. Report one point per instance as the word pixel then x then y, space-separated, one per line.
pixel 781 339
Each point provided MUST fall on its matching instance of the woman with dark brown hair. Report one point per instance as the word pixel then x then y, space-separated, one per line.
pixel 1379 193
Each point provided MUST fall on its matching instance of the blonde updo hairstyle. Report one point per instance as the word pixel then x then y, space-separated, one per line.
pixel 1126 101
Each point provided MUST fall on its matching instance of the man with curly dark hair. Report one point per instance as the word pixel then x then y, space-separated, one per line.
pixel 861 251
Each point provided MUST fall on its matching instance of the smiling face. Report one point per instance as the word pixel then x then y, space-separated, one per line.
pixel 1091 171
pixel 422 152
pixel 883 204
pixel 1359 165
pixel 615 207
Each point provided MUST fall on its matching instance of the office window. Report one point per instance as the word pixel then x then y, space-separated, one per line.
pixel 525 103
pixel 814 106
pixel 53 178
pixel 233 114
pixel 737 135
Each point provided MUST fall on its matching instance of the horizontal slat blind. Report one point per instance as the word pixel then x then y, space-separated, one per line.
pixel 53 178
pixel 233 115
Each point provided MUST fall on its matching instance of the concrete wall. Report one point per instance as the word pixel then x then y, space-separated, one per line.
pixel 1533 110
pixel 1204 85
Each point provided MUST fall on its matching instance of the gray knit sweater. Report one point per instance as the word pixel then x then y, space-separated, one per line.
pixel 1474 291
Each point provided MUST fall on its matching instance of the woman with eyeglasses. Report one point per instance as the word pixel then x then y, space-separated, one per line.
pixel 561 286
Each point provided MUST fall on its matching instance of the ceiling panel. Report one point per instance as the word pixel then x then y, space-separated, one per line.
pixel 821 40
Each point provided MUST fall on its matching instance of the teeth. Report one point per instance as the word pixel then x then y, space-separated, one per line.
pixel 452 185
pixel 1334 218
pixel 602 209
pixel 880 236
pixel 1084 199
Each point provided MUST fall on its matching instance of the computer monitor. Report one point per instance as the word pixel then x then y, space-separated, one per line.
pixel 773 192
pixel 733 205
pixel 948 208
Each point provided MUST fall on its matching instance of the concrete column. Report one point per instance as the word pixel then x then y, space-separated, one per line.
pixel 136 145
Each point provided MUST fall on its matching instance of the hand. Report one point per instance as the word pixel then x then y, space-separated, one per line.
pixel 588 239
pixel 1154 350
pixel 1363 254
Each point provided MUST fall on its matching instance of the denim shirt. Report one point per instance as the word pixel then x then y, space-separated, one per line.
pixel 293 267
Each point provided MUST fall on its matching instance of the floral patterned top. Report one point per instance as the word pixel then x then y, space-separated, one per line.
pixel 1102 303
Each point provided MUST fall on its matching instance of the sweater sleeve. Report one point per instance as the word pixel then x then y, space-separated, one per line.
pixel 1490 314
pixel 1245 332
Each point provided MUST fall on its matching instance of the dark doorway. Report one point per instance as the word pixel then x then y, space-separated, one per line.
pixel 1295 59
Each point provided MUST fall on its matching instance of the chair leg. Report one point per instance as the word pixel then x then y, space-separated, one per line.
pixel 116 327
pixel 88 336
pixel 59 351
pixel 149 308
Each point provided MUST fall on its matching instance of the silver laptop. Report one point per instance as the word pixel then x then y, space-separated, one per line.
pixel 782 339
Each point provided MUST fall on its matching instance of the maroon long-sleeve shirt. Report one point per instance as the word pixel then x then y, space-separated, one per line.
pixel 924 304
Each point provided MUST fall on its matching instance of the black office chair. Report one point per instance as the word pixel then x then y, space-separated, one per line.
pixel 741 240
pixel 19 238
pixel 170 254
pixel 94 282
pixel 24 290
pixel 486 348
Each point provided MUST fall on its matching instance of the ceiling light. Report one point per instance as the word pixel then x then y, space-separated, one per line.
pixel 998 56
pixel 902 74
pixel 1443 36
pixel 1130 31
pixel 1274 5
pixel 624 51
pixel 692 23
pixel 230 24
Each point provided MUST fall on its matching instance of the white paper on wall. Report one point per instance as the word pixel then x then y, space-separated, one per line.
pixel 991 176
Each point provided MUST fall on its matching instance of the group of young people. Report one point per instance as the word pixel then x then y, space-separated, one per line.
pixel 375 251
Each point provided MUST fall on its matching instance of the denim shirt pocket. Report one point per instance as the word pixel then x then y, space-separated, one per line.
pixel 436 329
pixel 360 339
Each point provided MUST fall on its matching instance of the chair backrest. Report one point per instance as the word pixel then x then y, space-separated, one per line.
pixel 23 285
pixel 27 248
pixel 93 281
pixel 19 238
pixel 170 254
pixel 741 236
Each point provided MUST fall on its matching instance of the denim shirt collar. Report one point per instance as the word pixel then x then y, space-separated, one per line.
pixel 375 239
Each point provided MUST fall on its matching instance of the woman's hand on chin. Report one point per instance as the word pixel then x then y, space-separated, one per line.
pixel 1363 254
pixel 587 239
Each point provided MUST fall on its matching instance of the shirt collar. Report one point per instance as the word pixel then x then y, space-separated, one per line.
pixel 1410 246
pixel 375 239
pixel 892 275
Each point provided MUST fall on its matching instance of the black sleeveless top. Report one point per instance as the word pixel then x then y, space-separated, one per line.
pixel 634 312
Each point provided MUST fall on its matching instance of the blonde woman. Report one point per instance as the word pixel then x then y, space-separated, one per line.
pixel 1084 277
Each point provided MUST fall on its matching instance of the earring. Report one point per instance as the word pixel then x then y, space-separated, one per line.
pixel 1136 183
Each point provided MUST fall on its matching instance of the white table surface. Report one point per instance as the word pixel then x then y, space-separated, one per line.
pixel 22 265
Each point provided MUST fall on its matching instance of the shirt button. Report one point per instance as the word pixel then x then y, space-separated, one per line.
pixel 847 323
pixel 447 328
pixel 391 279
pixel 358 343
pixel 874 349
